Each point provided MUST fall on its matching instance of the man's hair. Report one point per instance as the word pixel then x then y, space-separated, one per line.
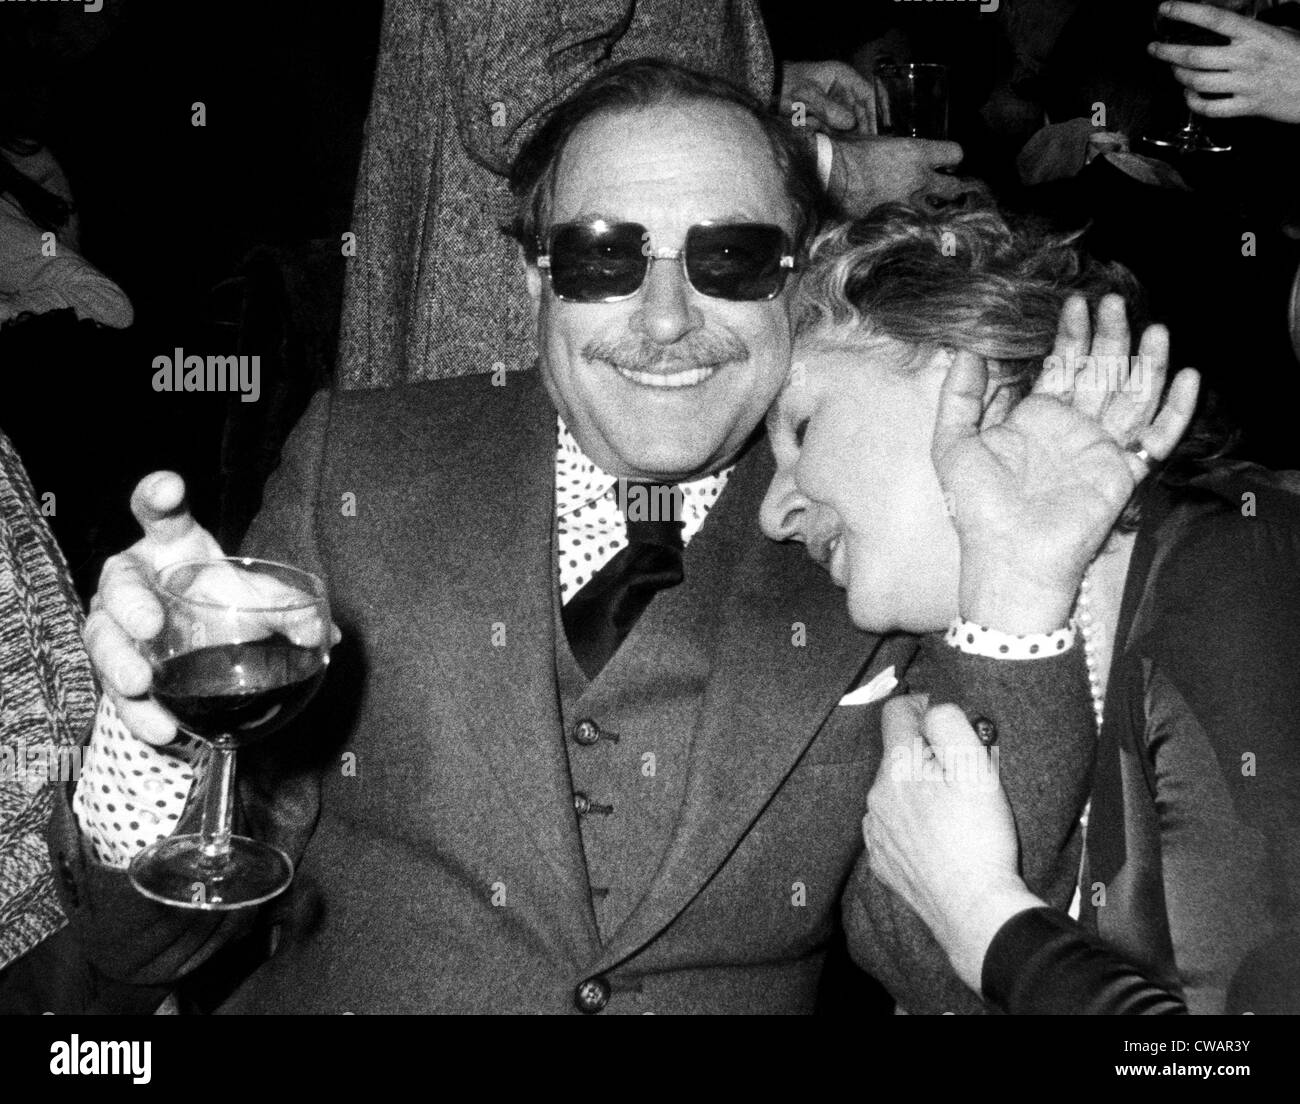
pixel 634 86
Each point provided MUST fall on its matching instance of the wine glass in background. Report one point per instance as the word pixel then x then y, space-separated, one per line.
pixel 243 649
pixel 911 99
pixel 1192 138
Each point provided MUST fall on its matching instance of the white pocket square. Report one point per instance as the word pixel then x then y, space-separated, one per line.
pixel 879 687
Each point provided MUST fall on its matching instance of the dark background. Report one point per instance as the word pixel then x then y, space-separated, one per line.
pixel 226 237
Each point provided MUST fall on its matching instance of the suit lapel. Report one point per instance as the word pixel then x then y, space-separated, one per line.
pixel 766 698
pixel 491 543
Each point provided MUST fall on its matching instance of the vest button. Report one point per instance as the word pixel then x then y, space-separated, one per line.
pixel 581 803
pixel 986 730
pixel 586 733
pixel 592 995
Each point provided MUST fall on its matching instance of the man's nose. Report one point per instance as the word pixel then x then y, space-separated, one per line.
pixel 667 312
pixel 783 509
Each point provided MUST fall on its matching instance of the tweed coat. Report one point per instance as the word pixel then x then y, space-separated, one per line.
pixel 47 697
pixel 428 800
pixel 435 288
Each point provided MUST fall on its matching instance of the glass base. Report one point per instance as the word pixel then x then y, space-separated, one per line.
pixel 176 872
pixel 1187 141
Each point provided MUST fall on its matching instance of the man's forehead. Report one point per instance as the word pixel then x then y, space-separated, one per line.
pixel 675 162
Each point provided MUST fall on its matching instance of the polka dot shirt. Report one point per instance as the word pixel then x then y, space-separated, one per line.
pixel 590 530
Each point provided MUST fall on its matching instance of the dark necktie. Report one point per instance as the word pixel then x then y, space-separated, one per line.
pixel 602 613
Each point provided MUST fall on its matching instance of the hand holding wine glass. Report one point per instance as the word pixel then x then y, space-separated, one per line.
pixel 1250 68
pixel 125 612
pixel 232 649
pixel 1187 31
pixel 243 648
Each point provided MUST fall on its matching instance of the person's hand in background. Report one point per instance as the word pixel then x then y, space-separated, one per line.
pixel 837 99
pixel 869 171
pixel 1259 70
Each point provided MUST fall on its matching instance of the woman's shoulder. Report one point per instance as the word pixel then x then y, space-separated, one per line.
pixel 1237 510
pixel 1226 546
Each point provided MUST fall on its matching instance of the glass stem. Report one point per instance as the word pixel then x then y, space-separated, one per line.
pixel 218 802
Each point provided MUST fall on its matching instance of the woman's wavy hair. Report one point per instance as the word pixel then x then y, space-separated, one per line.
pixel 970 278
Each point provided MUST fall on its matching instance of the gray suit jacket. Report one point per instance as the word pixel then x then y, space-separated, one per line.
pixel 428 800
pixel 435 287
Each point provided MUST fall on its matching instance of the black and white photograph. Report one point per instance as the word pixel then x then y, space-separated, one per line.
pixel 651 507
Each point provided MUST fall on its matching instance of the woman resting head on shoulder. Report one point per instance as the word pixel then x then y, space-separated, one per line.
pixel 890 305
pixel 943 359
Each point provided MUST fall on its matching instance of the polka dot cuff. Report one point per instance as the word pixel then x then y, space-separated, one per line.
pixel 973 639
pixel 130 793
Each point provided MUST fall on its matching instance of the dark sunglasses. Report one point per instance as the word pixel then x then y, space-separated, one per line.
pixel 603 262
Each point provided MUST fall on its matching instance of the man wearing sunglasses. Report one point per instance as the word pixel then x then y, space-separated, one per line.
pixel 590 743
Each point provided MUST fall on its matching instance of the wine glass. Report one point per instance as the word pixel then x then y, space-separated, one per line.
pixel 1192 138
pixel 911 99
pixel 243 649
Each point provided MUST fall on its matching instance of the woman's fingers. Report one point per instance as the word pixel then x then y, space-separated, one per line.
pixel 1073 336
pixel 959 752
pixel 900 722
pixel 1162 436
pixel 961 403
pixel 946 727
pixel 1112 338
pixel 1137 394
pixel 1112 345
pixel 1147 382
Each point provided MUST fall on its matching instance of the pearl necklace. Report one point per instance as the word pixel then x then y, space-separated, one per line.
pixel 1088 628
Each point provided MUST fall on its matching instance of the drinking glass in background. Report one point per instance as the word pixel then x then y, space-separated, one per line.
pixel 911 99
pixel 243 649
pixel 1192 138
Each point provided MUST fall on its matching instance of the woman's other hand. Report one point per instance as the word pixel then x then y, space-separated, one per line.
pixel 939 831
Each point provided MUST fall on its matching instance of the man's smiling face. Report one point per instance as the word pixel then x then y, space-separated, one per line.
pixel 669 383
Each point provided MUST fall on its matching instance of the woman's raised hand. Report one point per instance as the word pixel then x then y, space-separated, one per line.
pixel 1035 487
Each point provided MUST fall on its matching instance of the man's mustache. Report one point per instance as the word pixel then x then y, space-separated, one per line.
pixel 640 354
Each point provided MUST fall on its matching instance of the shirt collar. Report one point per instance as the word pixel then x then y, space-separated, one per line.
pixel 580 481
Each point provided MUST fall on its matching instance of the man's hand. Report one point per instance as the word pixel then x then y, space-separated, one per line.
pixel 866 172
pixel 1259 70
pixel 1034 497
pixel 837 99
pixel 939 831
pixel 124 611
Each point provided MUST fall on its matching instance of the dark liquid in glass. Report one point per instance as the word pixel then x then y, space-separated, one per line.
pixel 1177 33
pixel 242 691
